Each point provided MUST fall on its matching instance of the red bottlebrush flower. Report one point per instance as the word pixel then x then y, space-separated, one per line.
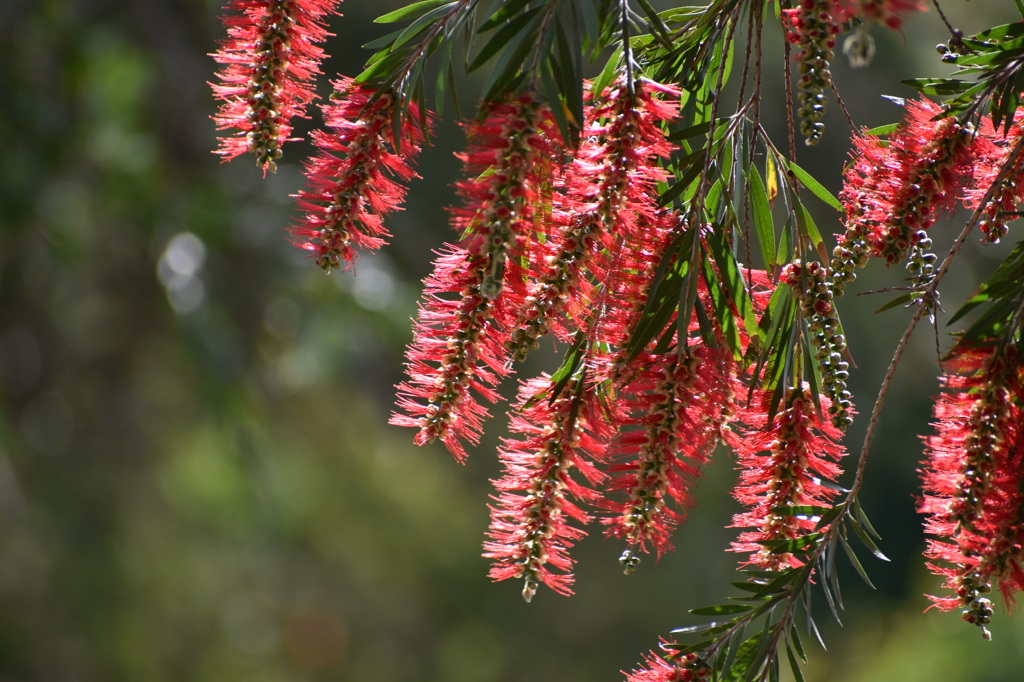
pixel 973 477
pixel 509 163
pixel 456 347
pixel 608 195
pixel 675 407
pixel 688 668
pixel 1002 207
pixel 471 300
pixel 270 58
pixel 783 466
pixel 893 192
pixel 530 533
pixel 350 185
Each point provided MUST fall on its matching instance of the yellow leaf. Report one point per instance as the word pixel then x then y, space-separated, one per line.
pixel 773 179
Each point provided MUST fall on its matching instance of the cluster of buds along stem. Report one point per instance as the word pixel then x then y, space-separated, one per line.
pixel 995 212
pixel 813 289
pixel 812 28
pixel 269 59
pixel 977 608
pixel 921 266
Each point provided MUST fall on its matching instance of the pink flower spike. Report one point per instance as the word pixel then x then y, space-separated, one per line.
pixel 530 535
pixel 270 59
pixel 471 299
pixel 676 406
pixel 783 466
pixel 607 196
pixel 974 470
pixel 894 192
pixel 355 178
pixel 456 347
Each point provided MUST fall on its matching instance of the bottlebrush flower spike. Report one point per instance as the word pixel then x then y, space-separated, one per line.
pixel 674 409
pixel 511 158
pixel 608 194
pixel 530 533
pixel 456 347
pixel 471 299
pixel 783 466
pixel 349 182
pixel 893 192
pixel 1002 207
pixel 973 477
pixel 270 59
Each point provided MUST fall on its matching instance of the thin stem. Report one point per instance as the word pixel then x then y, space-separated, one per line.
pixel 627 49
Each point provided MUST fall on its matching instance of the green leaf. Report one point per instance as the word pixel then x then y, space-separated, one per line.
pixel 882 131
pixel 791 545
pixel 694 163
pixel 654 22
pixel 1004 282
pixel 812 627
pixel 571 365
pixel 856 563
pixel 381 42
pixel 866 539
pixel 667 288
pixel 997 33
pixel 815 187
pixel 807 510
pixel 713 627
pixel 762 215
pixel 500 39
pixel 736 288
pixel 506 10
pixel 608 73
pixel 794 665
pixel 806 226
pixel 413 11
pixel 938 86
pixel 829 516
pixel 720 610
pixel 898 301
pixel 723 313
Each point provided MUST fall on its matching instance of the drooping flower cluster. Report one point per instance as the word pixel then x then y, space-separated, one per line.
pixel 270 58
pixel 551 241
pixel 812 27
pixel 673 410
pixel 893 192
pixel 605 222
pixel 785 465
pixel 561 431
pixel 478 286
pixel 355 178
pixel 973 479
pixel 1002 207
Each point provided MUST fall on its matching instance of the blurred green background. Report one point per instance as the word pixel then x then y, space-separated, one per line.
pixel 197 481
